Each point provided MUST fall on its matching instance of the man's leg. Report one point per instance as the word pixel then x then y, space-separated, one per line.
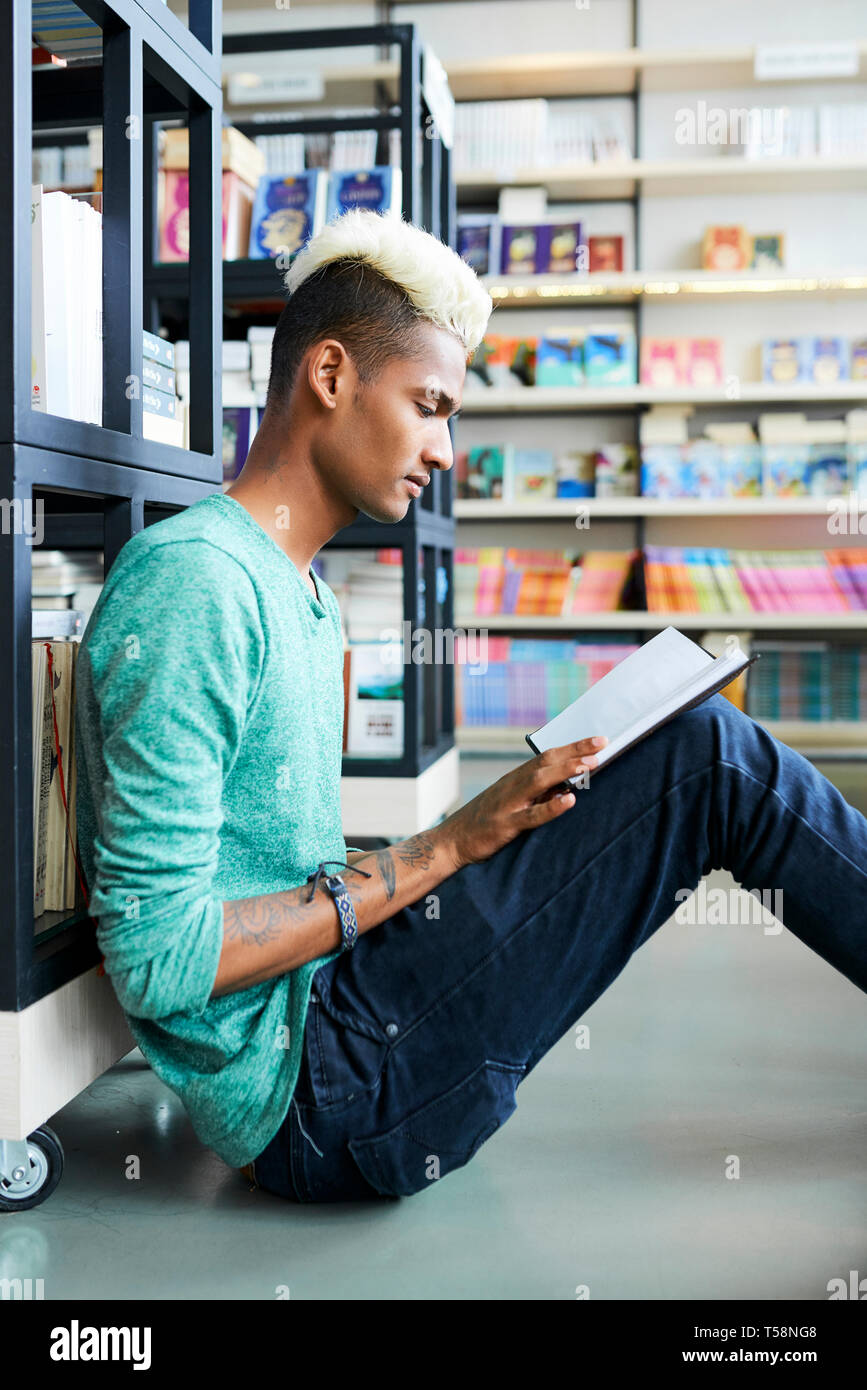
pixel 421 1034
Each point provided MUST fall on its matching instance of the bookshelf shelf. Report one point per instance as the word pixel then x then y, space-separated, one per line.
pixel 551 291
pixel 642 621
pixel 614 72
pixel 622 179
pixel 565 508
pixel 566 399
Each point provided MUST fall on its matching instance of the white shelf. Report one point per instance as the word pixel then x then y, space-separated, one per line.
pixel 565 508
pixel 510 400
pixel 655 622
pixel 607 72
pixel 518 291
pixel 720 174
pixel 400 806
pixel 833 736
pixel 611 72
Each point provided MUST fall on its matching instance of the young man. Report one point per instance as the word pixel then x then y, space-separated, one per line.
pixel 210 724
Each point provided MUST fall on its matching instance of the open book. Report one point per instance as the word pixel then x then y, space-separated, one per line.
pixel 668 674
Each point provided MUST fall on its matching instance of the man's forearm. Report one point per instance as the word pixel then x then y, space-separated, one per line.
pixel 276 932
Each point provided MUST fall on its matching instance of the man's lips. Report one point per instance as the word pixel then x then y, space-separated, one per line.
pixel 416 482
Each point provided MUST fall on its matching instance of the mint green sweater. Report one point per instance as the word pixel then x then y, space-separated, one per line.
pixel 209 720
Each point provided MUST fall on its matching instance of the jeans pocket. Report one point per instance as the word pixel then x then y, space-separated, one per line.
pixel 442 1135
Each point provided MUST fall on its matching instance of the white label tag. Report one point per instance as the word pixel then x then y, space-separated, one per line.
pixel 248 89
pixel 776 62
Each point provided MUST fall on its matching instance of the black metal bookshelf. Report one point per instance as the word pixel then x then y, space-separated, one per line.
pixel 425 536
pixel 98 484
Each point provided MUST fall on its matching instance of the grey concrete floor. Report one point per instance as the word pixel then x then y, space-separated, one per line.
pixel 611 1174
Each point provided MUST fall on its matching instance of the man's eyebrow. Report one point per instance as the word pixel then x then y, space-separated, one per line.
pixel 442 398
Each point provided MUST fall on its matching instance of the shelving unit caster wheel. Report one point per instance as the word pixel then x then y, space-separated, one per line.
pixel 30 1169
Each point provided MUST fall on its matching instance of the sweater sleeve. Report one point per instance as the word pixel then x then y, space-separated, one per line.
pixel 173 662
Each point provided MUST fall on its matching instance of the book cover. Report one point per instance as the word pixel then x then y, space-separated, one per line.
pixel 561 248
pixel 609 356
pixel 726 248
pixel 521 250
pixel 560 358
pixel 286 213
pixel 378 189
pixel 605 253
pixel 157 349
pixel 663 361
pixel 158 402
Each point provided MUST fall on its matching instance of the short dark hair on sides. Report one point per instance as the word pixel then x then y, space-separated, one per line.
pixel 370 315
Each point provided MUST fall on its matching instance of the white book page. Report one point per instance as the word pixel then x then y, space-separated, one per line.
pixel 664 674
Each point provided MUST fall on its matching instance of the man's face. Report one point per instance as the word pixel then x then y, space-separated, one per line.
pixel 395 426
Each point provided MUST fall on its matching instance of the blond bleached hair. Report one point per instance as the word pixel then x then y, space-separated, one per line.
pixel 441 287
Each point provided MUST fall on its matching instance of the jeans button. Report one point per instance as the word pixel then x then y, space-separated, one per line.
pixel 391 1029
pixel 314 998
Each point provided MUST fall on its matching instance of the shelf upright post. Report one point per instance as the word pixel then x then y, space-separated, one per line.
pixel 410 119
pixel 122 229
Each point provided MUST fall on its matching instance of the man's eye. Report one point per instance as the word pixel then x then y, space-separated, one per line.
pixel 426 411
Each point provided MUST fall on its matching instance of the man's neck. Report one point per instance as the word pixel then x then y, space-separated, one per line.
pixel 283 492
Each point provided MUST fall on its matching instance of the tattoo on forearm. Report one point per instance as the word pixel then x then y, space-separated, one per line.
pixel 417 851
pixel 385 864
pixel 258 921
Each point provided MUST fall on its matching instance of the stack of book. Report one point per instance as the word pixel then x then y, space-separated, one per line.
pixel 809 681
pixel 56 885
pixel 66 306
pixel 502 136
pixel 492 580
pixel 61 28
pixel 524 682
pixel 67 581
pixel 709 579
pixel 164 416
pixel 243 165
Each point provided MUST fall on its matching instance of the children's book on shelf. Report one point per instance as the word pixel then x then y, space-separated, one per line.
pixel 560 357
pixel 287 212
pixel 610 355
pixel 375 700
pixel 478 243
pixel 605 254
pixel 666 676
pixel 378 189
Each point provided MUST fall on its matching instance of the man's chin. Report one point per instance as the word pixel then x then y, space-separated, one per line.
pixel 386 515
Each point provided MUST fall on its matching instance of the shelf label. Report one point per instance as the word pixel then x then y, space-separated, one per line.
pixel 777 62
pixel 249 89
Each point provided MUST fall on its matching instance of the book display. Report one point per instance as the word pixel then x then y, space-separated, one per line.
pixel 675 425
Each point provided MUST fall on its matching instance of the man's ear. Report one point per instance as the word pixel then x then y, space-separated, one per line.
pixel 328 370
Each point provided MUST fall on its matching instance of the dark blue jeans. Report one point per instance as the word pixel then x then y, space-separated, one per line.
pixel 418 1038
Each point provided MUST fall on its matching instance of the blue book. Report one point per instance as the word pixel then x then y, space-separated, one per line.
pixel 287 212
pixel 378 189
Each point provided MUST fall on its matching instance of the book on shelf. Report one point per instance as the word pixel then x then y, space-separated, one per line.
pixel 492 580
pixel 713 579
pixel 378 189
pixel 56 886
pixel 66 306
pixel 510 682
pixel 288 210
pixel 667 675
